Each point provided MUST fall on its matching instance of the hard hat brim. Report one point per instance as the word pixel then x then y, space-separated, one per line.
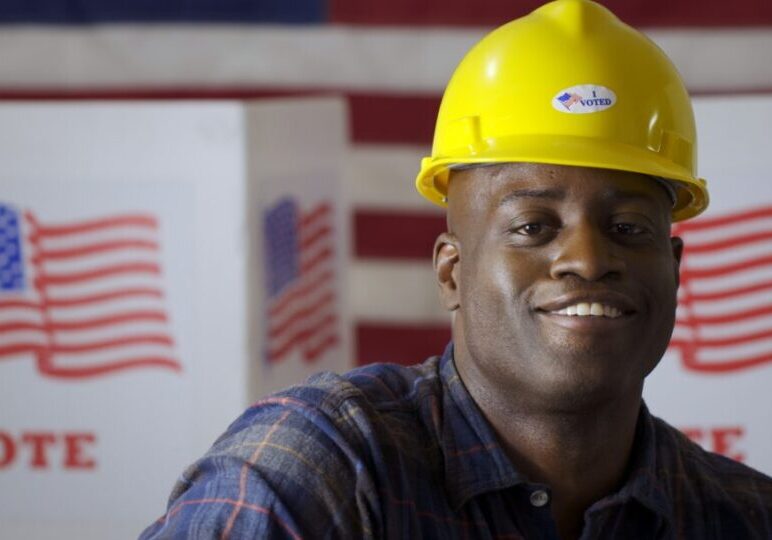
pixel 692 194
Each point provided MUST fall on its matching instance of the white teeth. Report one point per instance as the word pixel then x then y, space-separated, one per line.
pixel 584 309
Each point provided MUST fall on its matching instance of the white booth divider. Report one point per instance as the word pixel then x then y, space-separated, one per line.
pixel 161 265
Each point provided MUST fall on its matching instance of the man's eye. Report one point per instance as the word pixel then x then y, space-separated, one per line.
pixel 530 229
pixel 628 228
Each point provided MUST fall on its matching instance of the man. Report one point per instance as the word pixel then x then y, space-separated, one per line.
pixel 564 148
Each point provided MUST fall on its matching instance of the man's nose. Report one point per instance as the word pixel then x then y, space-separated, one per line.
pixel 587 251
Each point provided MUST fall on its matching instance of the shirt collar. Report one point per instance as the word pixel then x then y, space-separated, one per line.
pixel 476 463
pixel 474 460
pixel 644 484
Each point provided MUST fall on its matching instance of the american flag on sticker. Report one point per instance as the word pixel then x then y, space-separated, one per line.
pixel 85 298
pixel 569 99
pixel 724 316
pixel 302 306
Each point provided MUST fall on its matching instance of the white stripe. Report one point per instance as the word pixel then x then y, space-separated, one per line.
pixel 113 331
pixel 734 280
pixel 727 257
pixel 88 238
pixel 313 321
pixel 101 261
pixel 383 59
pixel 106 357
pixel 736 353
pixel 298 305
pixel 383 177
pixel 107 308
pixel 724 330
pixel 395 292
pixel 23 336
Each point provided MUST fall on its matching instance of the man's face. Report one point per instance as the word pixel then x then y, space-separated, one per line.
pixel 532 248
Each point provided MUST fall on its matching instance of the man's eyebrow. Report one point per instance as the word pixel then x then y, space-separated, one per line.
pixel 550 194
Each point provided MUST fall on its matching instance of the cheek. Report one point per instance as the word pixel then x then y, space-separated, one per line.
pixel 497 285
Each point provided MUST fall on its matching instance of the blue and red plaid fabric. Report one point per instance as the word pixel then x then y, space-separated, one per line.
pixel 387 451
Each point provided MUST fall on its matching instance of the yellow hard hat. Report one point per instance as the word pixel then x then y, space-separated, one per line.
pixel 568 84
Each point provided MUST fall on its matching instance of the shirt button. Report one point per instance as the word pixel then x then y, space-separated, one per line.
pixel 539 498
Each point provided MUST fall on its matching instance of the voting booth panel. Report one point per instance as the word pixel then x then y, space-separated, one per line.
pixel 157 262
pixel 714 381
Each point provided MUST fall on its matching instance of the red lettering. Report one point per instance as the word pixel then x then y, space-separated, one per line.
pixel 74 457
pixel 39 443
pixel 9 450
pixel 695 434
pixel 720 440
pixel 723 439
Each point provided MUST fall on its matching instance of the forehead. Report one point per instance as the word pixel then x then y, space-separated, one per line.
pixel 495 185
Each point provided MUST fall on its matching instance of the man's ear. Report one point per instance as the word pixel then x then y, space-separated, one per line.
pixel 446 259
pixel 677 245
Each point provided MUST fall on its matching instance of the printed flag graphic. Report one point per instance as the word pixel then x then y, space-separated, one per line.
pixel 569 99
pixel 724 317
pixel 300 280
pixel 84 297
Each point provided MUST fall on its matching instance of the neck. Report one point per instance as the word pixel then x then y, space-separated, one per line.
pixel 581 454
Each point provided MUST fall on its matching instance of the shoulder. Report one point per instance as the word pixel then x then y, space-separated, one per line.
pixel 726 492
pixel 344 401
pixel 303 458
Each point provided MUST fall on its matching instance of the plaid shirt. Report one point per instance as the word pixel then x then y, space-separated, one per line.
pixel 386 451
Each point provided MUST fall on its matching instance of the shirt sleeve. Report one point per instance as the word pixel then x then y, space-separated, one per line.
pixel 285 469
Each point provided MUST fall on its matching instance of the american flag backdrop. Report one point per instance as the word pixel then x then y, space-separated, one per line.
pixel 302 305
pixel 724 317
pixel 84 298
pixel 389 59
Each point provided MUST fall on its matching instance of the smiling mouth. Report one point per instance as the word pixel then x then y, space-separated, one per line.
pixel 589 309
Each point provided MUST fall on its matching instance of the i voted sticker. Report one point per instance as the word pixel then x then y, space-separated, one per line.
pixel 584 99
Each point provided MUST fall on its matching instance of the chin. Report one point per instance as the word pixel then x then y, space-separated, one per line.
pixel 585 380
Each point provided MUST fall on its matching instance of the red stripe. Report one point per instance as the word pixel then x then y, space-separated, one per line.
pixel 19 348
pixel 9 327
pixel 310 354
pixel 300 337
pixel 724 342
pixel 726 317
pixel 103 297
pixel 308 240
pixel 490 13
pixel 106 271
pixel 721 221
pixel 97 322
pixel 303 290
pixel 87 324
pixel 393 119
pixel 725 293
pixel 91 249
pixel 319 212
pixel 735 241
pixel 301 314
pixel 308 265
pixel 112 343
pixel 716 271
pixel 26 304
pixel 399 343
pixel 396 234
pixel 111 367
pixel 93 225
pixel 690 362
